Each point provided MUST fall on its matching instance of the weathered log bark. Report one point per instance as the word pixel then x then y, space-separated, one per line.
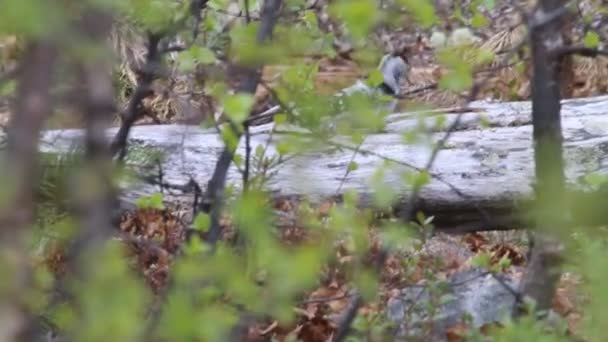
pixel 479 180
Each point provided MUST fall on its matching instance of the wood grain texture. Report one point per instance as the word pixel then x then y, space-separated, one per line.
pixel 478 180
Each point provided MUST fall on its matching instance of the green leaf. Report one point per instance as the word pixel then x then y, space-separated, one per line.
pixel 591 39
pixel 202 222
pixel 203 55
pixel 595 179
pixel 196 246
pixel 384 194
pixel 417 179
pixel 142 202
pixel 456 81
pixel 375 78
pixel 367 284
pixel 459 77
pixel 352 166
pixel 503 263
pixel 32 18
pixel 185 62
pixel 8 88
pixel 238 106
pixel 489 4
pixel 311 19
pixel 103 312
pixel 482 260
pixel 230 138
pixel 238 159
pixel 479 20
pixel 259 151
pixel 280 119
pixel 156 201
pixel 395 236
pixel 423 10
pixel 358 15
pixel 283 147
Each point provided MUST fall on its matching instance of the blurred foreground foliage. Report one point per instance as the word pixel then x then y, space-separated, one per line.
pixel 158 279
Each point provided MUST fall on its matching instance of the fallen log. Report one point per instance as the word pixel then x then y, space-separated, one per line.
pixel 481 178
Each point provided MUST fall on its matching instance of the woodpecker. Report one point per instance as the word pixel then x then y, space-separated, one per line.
pixel 394 68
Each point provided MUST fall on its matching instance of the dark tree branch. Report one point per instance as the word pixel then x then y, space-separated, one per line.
pixel 33 107
pixel 540 280
pixel 97 198
pixel 149 72
pixel 347 319
pixel 196 9
pixel 215 189
pixel 246 125
pixel 578 50
pixel 19 168
pixel 246 170
pixel 96 201
pixel 131 114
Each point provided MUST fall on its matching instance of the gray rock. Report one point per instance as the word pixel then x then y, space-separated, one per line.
pixel 473 296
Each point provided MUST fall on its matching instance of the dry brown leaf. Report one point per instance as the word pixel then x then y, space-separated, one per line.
pixel 561 303
pixel 457 332
pixel 325 207
pixel 499 251
pixel 475 241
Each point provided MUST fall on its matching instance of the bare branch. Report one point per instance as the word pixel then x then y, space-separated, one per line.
pixel 196 8
pixel 96 103
pixel 150 71
pixel 19 167
pixel 579 50
pixel 33 107
pixel 131 114
pixel 347 319
pixel 540 280
pixel 215 189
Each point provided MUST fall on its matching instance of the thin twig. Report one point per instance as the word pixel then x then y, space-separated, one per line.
pixel 326 299
pixel 579 50
pixel 247 134
pixel 348 170
pixel 119 144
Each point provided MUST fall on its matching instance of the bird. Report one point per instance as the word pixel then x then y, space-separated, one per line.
pixel 394 68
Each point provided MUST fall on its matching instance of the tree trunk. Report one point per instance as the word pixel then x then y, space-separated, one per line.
pixel 540 281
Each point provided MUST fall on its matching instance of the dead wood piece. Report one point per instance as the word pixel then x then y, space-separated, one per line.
pixel 486 166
